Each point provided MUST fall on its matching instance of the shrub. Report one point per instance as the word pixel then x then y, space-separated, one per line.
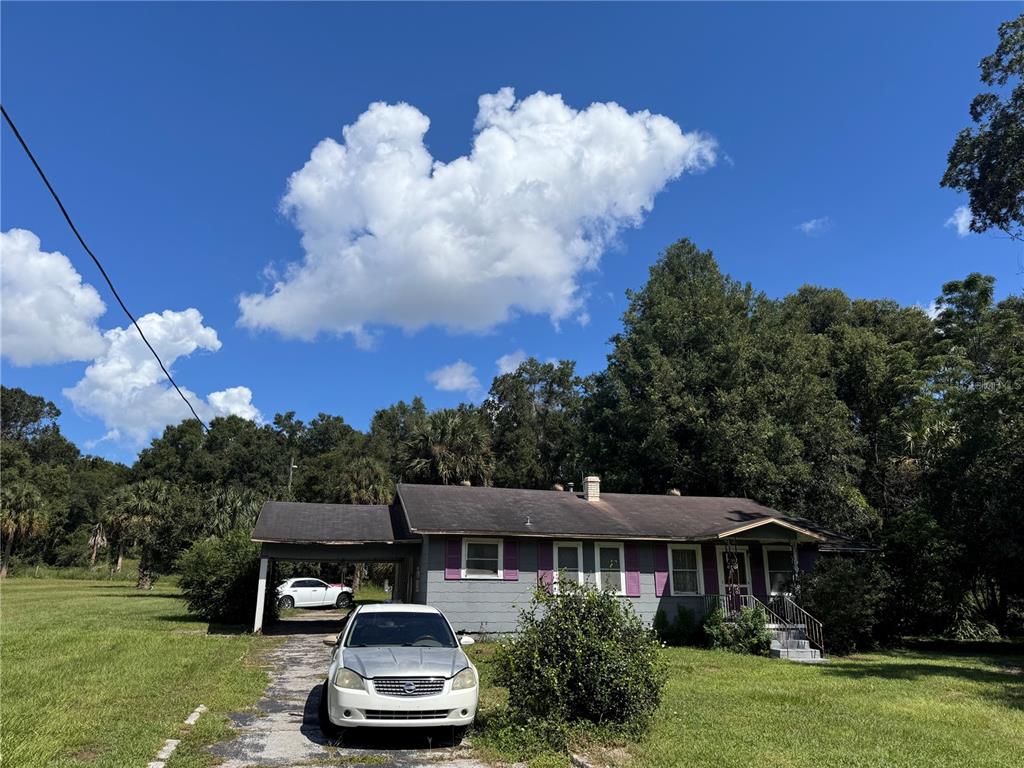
pixel 747 633
pixel 580 656
pixel 847 596
pixel 219 577
pixel 681 630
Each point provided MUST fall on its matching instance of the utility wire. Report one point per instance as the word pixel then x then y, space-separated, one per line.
pixel 96 261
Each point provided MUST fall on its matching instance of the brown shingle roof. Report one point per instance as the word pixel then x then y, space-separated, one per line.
pixel 473 509
pixel 294 522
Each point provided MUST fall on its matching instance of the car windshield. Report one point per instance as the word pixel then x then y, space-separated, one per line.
pixel 415 630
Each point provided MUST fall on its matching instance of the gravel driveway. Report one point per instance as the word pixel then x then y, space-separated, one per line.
pixel 286 730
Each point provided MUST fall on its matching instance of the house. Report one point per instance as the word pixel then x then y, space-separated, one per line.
pixel 477 553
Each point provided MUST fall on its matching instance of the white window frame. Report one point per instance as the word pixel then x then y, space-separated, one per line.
pixel 720 564
pixel 578 546
pixel 767 572
pixel 671 569
pixel 598 545
pixel 501 557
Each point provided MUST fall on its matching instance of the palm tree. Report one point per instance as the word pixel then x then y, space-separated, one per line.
pixel 22 513
pixel 97 541
pixel 116 520
pixel 365 481
pixel 141 505
pixel 451 446
pixel 231 508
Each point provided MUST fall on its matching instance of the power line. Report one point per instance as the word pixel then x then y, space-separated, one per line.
pixel 96 261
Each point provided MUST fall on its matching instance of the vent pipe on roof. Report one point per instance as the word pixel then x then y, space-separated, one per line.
pixel 572 488
pixel 592 488
pixel 673 492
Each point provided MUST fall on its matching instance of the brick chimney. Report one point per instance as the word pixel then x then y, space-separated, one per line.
pixel 591 488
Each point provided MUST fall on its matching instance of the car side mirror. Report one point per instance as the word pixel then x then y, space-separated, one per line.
pixel 331 640
pixel 466 640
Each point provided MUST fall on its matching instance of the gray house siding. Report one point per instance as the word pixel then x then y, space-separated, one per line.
pixel 477 605
pixel 493 606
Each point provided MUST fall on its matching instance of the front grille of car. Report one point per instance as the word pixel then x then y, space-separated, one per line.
pixel 396 714
pixel 408 686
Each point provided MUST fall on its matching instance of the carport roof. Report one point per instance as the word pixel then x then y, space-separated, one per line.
pixel 295 522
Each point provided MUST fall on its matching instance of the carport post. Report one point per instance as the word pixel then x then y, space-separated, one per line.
pixel 257 625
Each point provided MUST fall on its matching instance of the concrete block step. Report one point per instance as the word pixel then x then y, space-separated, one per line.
pixel 796 654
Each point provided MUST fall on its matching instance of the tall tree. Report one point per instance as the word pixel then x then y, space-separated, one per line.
pixel 534 415
pixel 987 161
pixel 970 443
pixel 390 428
pixel 22 514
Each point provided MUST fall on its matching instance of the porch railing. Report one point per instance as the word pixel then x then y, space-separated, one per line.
pixel 732 604
pixel 791 613
pixel 780 610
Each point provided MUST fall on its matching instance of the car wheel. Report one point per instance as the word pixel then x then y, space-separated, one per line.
pixel 286 602
pixel 344 600
pixel 330 731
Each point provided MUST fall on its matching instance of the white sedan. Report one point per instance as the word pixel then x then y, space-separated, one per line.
pixel 313 593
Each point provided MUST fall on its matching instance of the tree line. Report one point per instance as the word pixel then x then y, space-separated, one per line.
pixel 875 419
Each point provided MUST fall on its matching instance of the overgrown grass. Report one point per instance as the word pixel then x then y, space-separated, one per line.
pixel 101 572
pixel 371 593
pixel 720 709
pixel 96 673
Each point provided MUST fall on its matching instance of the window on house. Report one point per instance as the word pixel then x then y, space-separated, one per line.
pixel 611 568
pixel 779 563
pixel 687 578
pixel 481 558
pixel 568 562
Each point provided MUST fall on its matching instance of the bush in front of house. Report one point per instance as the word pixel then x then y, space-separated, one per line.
pixel 581 656
pixel 846 595
pixel 746 633
pixel 682 629
pixel 220 577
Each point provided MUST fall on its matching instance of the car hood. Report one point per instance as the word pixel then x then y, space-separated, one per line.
pixel 405 662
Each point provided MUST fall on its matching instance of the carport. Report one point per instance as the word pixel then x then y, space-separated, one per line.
pixel 355 533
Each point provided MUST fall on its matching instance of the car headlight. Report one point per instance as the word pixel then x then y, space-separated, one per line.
pixel 465 679
pixel 346 678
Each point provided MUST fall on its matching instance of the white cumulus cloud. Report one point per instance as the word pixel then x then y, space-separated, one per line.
pixel 815 227
pixel 47 314
pixel 510 362
pixel 961 219
pixel 125 387
pixel 395 237
pixel 460 376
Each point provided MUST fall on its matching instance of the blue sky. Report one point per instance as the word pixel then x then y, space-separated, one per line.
pixel 171 132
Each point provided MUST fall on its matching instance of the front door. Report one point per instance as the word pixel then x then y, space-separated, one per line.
pixel 733 574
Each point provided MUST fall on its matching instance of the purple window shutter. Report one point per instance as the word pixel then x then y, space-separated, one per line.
pixel 660 569
pixel 756 575
pixel 632 557
pixel 511 567
pixel 453 559
pixel 710 558
pixel 545 564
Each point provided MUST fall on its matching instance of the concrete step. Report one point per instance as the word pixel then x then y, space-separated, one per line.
pixel 796 654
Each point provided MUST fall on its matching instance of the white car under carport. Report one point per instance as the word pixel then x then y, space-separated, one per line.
pixel 313 593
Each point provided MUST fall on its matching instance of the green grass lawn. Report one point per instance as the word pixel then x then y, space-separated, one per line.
pixel 884 710
pixel 96 673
